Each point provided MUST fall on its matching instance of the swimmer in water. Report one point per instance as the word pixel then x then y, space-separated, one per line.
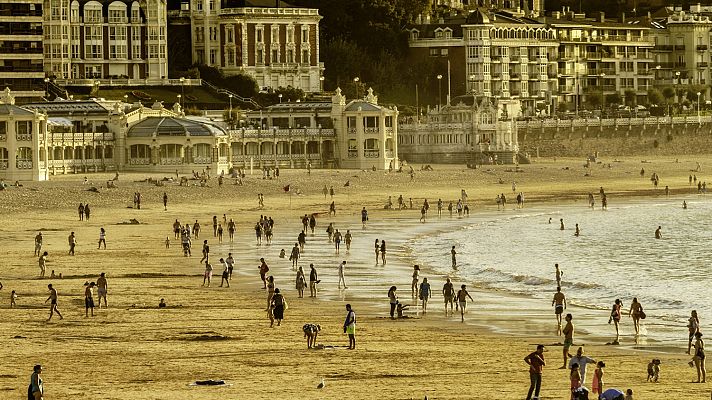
pixel 549 219
pixel 684 205
pixel 561 220
pixel 659 233
pixel 578 231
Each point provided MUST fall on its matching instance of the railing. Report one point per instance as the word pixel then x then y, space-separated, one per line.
pixel 139 161
pixel 20 50
pixel 171 160
pixel 202 160
pixel 4 164
pixel 371 153
pixel 370 130
pixel 353 154
pixel 23 164
pixel 127 82
pixel 247 100
pixel 702 64
pixel 351 131
pixel 594 122
pixel 3 137
pixel 664 47
pixel 389 153
pixel 701 47
pixel 679 47
pixel 389 131
pixel 24 137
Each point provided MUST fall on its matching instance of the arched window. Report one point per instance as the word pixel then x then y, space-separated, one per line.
pixel 3 158
pixel 23 158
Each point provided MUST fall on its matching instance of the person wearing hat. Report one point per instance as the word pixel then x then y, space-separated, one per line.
pixel 36 389
pixel 536 364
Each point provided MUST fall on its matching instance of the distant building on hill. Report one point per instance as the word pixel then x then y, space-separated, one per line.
pixel 274 42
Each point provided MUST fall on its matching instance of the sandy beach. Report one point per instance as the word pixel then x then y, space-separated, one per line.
pixel 133 350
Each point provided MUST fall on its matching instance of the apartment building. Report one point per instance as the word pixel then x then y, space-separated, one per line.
pixel 21 48
pixel 88 40
pixel 538 61
pixel 275 43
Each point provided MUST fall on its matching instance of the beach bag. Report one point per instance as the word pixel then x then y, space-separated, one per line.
pixel 642 314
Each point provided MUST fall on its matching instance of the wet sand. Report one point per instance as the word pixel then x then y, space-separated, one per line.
pixel 134 350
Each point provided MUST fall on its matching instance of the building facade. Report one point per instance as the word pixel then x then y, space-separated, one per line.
pixel 21 48
pixel 277 46
pixel 23 151
pixel 88 40
pixel 540 61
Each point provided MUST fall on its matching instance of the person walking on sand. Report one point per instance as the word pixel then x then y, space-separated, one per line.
pixel 313 280
pixel 559 274
pixel 453 253
pixel 561 224
pixel 263 272
pixel 597 384
pixel 277 306
pixel 36 389
pixel 577 231
pixel 231 230
pixel 347 240
pixel 206 252
pixel 301 282
pixel 341 274
pixel 208 274
pixel 693 325
pixel 81 211
pixel 89 299
pixel 568 339
pixel 636 313
pixel 225 278
pixel 383 252
pixel 196 229
pixel 393 300
pixel 364 217
pixel 425 294
pixel 536 364
pixel 230 261
pixel 414 283
pixel 294 256
pixel 337 241
pixel 659 233
pixel 38 244
pixel 616 315
pixel 42 261
pixel 559 304
pixel 102 286
pixel 582 361
pixel 699 359
pixel 165 201
pixel 330 231
pixel 350 326
pixel 377 249
pixel 462 296
pixel 575 377
pixel 102 238
pixel 53 302
pixel 422 214
pixel 449 295
pixel 72 240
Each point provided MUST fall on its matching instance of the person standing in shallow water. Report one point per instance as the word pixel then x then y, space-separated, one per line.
pixel 636 313
pixel 559 304
pixel 383 252
pixel 425 294
pixel 659 233
pixel 616 315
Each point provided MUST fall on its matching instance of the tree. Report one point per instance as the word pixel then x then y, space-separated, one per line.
pixel 668 93
pixel 630 97
pixel 655 97
pixel 594 99
pixel 614 98
pixel 242 84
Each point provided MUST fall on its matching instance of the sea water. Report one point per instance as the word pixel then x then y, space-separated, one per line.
pixel 616 256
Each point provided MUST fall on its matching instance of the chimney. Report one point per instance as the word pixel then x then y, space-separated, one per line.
pixel 602 17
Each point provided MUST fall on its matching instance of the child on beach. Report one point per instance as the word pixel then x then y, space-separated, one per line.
pixel 575 379
pixel 13 298
pixel 597 385
pixel 654 370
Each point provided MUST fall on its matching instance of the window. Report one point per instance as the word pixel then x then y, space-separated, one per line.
pixel 213 33
pixel 438 33
pixel 117 16
pixel 305 56
pixel 230 34
pixel 414 35
pixel 260 56
pixel 259 34
pixel 290 56
pixel 92 16
pixel 117 33
pixel 117 51
pixel 153 51
pixel 305 34
pixel 153 33
pixel 200 56
pixel 93 51
pixel 434 52
pixel 23 128
pixel 290 34
pixel 447 33
pixel 351 122
pixel 199 5
pixel 275 56
pixel 231 57
pixel 211 5
pixel 135 14
pixel 92 33
pixel 444 52
pixel 213 56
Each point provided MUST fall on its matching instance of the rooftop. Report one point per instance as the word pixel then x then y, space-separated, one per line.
pixel 7 109
pixel 64 107
pixel 171 126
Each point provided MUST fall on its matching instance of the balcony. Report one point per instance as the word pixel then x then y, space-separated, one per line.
pixel 679 47
pixel 353 154
pixel 702 64
pixel 664 47
pixel 20 50
pixel 26 137
pixel 3 164
pixel 23 164
pixel 371 153
pixel 701 47
pixel 371 130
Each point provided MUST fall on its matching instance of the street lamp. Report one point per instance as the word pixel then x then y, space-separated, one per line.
pixel 230 97
pixel 698 108
pixel 280 98
pixel 126 98
pixel 46 81
pixel 321 84
pixel 440 98
pixel 356 80
pixel 677 75
pixel 603 93
pixel 179 100
pixel 182 88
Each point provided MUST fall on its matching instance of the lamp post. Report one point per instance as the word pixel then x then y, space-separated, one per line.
pixel 440 98
pixel 356 85
pixel 603 94
pixel 179 100
pixel 182 88
pixel 46 81
pixel 677 75
pixel 280 98
pixel 126 98
pixel 321 84
pixel 699 121
pixel 230 115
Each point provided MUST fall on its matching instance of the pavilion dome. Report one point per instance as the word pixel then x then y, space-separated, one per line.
pixel 172 126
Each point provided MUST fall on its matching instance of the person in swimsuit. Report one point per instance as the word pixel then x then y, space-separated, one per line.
pixel 425 294
pixel 699 358
pixel 341 274
pixel 449 295
pixel 393 300
pixel 377 249
pixel 38 244
pixel 313 280
pixel 36 389
pixel 659 233
pixel 225 278
pixel 102 238
pixel 230 261
pixel 383 252
pixel 597 384
pixel 311 332
pixel 636 312
pixel 89 299
pixel 559 274
pixel 263 272
pixel 568 338
pixel 453 253
pixel 53 305
pixel 208 275
pixel 559 304
pixel 616 316
pixel 103 285
pixel 350 326
pixel 693 325
pixel 575 377
pixel 347 240
pixel 301 282
pixel 42 261
pixel 462 296
pixel 414 283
